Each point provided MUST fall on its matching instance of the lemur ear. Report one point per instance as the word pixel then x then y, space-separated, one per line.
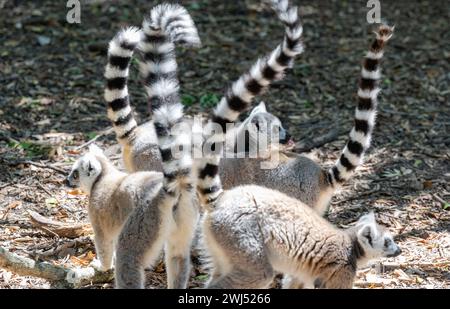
pixel 367 233
pixel 368 218
pixel 260 108
pixel 95 150
pixel 90 168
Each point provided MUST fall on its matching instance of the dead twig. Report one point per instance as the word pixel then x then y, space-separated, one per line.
pixel 7 185
pixel 57 228
pixel 365 284
pixel 439 199
pixel 392 266
pixel 44 189
pixel 101 134
pixel 41 165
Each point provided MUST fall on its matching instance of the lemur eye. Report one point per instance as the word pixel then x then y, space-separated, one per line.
pixel 387 242
pixel 75 174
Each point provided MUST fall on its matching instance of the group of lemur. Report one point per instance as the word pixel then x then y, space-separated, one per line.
pixel 252 223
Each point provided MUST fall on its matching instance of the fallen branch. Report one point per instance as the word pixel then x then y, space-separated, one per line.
pixel 62 276
pixel 60 229
pixel 439 199
pixel 366 284
pixel 391 266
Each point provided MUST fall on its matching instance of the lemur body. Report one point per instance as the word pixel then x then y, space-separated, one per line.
pixel 170 218
pixel 252 231
pixel 112 197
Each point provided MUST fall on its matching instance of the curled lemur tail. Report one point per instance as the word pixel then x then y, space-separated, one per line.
pixel 166 25
pixel 361 133
pixel 239 96
pixel 120 52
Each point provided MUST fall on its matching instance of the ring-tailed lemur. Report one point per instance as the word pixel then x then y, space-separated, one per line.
pixel 112 197
pixel 242 91
pixel 315 185
pixel 303 178
pixel 170 218
pixel 251 232
pixel 254 232
pixel 139 142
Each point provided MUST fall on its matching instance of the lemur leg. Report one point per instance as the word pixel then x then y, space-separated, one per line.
pixel 140 244
pixel 179 244
pixel 104 248
pixel 244 263
pixel 341 278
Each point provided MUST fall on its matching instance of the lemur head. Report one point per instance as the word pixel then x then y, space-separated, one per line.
pixel 261 122
pixel 86 169
pixel 375 240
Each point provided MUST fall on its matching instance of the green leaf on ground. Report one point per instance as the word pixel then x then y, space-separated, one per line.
pixel 209 100
pixel 202 277
pixel 187 99
pixel 90 135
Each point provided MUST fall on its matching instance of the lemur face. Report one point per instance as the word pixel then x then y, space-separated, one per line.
pixel 375 239
pixel 85 170
pixel 268 125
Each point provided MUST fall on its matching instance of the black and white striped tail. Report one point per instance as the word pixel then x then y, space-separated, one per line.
pixel 239 96
pixel 120 52
pixel 166 25
pixel 365 114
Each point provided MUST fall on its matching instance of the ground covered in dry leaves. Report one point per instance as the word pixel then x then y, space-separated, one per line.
pixel 51 104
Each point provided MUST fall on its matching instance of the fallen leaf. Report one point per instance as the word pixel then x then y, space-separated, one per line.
pixel 43 40
pixel 427 184
pixel 46 101
pixel 51 201
pixel 201 277
pixel 73 152
pixel 14 204
pixel 75 192
pixel 402 276
pixel 6 276
pixel 77 261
